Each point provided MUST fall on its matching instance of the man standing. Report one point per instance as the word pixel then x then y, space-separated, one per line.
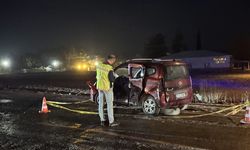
pixel 105 79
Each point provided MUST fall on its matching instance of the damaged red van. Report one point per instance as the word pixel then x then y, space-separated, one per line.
pixel 153 84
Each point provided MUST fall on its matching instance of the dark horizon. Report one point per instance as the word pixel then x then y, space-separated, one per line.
pixel 122 27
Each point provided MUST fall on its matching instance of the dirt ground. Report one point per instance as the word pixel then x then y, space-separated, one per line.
pixel 230 87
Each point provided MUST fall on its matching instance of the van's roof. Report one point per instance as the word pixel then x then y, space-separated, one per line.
pixel 156 61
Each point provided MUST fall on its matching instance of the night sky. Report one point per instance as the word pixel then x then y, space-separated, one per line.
pixel 119 26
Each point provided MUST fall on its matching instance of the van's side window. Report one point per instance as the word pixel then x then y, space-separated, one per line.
pixel 136 73
pixel 150 71
pixel 122 71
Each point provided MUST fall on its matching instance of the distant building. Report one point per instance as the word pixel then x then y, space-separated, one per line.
pixel 241 64
pixel 203 59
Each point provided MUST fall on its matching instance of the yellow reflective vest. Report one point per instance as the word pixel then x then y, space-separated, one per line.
pixel 102 71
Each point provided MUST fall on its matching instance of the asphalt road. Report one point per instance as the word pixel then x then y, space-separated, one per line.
pixel 22 127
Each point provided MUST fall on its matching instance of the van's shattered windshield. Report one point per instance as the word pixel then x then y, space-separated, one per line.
pixel 176 72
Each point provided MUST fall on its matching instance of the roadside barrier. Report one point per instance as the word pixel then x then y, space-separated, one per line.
pixel 44 108
pixel 228 111
pixel 65 103
pixel 53 104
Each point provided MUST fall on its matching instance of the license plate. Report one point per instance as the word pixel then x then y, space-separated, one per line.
pixel 181 95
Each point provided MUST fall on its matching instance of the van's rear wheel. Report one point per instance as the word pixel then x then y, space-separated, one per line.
pixel 171 111
pixel 149 106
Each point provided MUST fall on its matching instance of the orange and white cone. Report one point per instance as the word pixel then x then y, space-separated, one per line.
pixel 246 120
pixel 44 107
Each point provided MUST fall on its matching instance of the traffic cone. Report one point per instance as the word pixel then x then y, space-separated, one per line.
pixel 246 120
pixel 44 107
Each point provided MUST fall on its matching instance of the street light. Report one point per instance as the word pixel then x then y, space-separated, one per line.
pixel 55 63
pixel 6 63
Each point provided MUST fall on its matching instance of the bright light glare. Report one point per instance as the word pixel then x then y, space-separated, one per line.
pixel 96 63
pixel 55 63
pixel 6 63
pixel 84 66
pixel 79 67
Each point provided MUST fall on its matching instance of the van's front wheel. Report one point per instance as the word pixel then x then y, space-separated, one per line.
pixel 149 106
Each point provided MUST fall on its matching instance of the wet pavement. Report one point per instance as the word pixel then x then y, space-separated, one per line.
pixel 22 127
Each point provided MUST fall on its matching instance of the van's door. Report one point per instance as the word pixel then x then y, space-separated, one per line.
pixel 178 84
pixel 136 76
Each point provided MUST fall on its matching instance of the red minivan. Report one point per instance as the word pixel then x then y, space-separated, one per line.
pixel 153 85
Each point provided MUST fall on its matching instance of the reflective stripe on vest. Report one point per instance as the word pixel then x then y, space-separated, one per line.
pixel 102 71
